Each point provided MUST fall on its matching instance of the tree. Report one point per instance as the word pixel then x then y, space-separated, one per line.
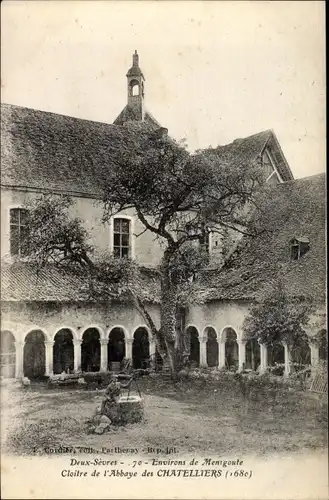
pixel 279 319
pixel 177 196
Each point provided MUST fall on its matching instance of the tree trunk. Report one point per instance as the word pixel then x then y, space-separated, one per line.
pixel 165 337
pixel 168 317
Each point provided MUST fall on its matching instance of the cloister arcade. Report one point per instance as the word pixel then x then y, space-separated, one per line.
pixel 41 353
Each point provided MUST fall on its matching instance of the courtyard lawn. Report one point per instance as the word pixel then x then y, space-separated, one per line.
pixel 194 416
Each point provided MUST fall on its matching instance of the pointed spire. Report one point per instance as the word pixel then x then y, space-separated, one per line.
pixel 135 69
pixel 135 59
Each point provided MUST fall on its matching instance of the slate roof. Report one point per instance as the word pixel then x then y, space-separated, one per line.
pixel 249 148
pixel 293 209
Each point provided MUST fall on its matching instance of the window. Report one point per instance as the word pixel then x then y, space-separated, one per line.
pixel 18 231
pixel 121 238
pixel 134 88
pixel 299 247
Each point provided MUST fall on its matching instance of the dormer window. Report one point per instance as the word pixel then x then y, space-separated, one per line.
pixel 299 247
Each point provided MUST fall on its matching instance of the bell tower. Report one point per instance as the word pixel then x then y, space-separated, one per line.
pixel 135 88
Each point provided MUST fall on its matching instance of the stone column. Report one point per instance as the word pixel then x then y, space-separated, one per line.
pixel 242 354
pixel 203 352
pixel 152 348
pixel 315 358
pixel 77 355
pixel 263 358
pixel 286 360
pixel 19 350
pixel 129 349
pixel 221 354
pixel 49 358
pixel 104 357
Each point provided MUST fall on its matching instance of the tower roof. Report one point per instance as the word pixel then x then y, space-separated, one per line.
pixel 135 69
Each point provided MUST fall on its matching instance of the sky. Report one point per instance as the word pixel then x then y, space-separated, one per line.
pixel 215 71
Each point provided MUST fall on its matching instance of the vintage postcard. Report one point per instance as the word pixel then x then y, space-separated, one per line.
pixel 163 252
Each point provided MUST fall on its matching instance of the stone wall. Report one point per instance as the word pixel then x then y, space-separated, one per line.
pixel 145 249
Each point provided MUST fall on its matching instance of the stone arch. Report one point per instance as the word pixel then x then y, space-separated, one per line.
pixel 134 86
pixel 91 349
pixel 252 354
pixel 7 354
pixel 34 354
pixel 211 346
pixel 193 345
pixel 63 351
pixel 145 327
pixel 141 348
pixel 116 347
pixel 75 335
pixel 35 328
pixel 230 339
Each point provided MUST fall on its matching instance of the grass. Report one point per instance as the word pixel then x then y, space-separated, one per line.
pixel 193 415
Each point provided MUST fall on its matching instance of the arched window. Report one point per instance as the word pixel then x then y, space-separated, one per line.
pixel 121 238
pixel 18 231
pixel 299 247
pixel 134 88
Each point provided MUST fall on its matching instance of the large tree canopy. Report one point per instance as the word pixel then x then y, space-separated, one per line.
pixel 278 319
pixel 177 196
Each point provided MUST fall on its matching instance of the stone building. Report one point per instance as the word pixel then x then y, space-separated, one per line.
pixel 49 327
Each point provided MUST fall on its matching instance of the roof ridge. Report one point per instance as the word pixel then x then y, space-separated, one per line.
pixel 56 114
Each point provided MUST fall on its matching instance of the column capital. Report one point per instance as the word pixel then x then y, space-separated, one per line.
pixel 49 343
pixel 313 341
pixel 77 341
pixel 19 343
pixel 104 341
pixel 241 341
pixel 129 341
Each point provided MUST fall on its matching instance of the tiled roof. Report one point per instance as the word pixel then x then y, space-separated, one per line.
pixel 22 281
pixel 293 209
pixel 48 151
pixel 54 152
pixel 128 114
pixel 244 151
